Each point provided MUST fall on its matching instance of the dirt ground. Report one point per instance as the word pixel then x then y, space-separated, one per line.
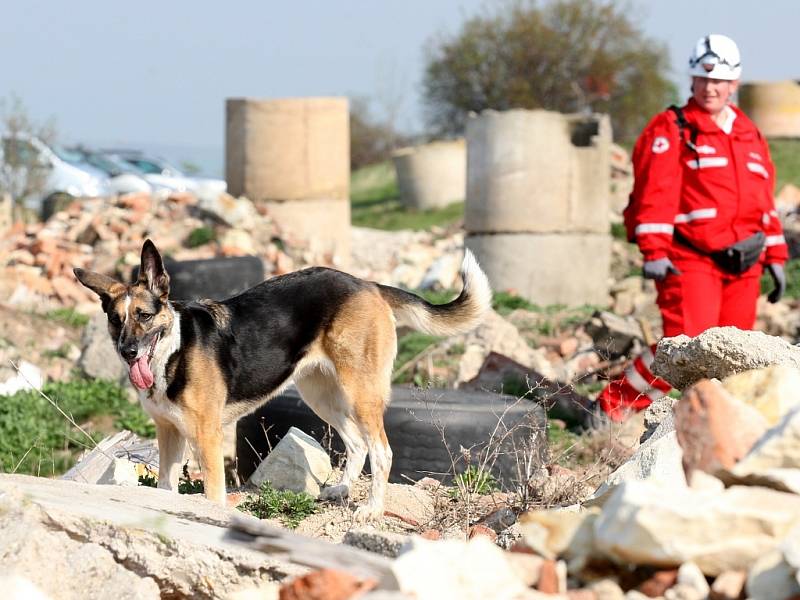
pixel 46 342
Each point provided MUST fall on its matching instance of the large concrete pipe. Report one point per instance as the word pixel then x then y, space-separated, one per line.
pixel 537 208
pixel 432 175
pixel 773 106
pixel 293 155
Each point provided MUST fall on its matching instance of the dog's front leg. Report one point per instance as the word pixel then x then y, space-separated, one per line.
pixel 209 448
pixel 171 450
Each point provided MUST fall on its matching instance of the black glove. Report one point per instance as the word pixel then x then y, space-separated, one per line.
pixel 775 271
pixel 659 269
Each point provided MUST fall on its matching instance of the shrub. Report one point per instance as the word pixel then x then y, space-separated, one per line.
pixel 290 507
pixel 563 55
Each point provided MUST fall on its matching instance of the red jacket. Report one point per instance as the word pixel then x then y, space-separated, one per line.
pixel 714 197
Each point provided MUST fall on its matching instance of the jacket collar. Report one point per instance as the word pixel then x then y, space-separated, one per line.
pixel 703 121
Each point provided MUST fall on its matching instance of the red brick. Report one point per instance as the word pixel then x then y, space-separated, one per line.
pixel 326 584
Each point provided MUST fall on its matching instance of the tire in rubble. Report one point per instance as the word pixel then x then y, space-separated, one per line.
pixel 427 430
pixel 215 278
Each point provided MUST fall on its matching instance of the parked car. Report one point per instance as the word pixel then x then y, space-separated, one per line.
pixel 60 178
pixel 122 177
pixel 159 171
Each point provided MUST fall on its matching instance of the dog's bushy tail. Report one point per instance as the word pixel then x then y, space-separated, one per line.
pixel 458 316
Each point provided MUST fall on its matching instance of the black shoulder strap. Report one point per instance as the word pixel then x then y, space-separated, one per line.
pixel 684 125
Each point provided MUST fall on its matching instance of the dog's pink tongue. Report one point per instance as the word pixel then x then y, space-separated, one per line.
pixel 141 375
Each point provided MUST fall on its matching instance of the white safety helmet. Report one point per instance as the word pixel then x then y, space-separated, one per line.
pixel 715 56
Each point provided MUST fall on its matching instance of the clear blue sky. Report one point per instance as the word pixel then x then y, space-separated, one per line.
pixel 156 73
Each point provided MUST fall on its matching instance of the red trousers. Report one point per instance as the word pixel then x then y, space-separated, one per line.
pixel 696 300
pixel 702 296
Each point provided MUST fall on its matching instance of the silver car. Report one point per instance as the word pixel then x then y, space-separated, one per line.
pixel 40 173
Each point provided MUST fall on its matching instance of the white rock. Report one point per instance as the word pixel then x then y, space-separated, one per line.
pixel 720 352
pixel 774 461
pixel 659 459
pixel 558 533
pixel 28 377
pixel 702 481
pixel 607 589
pixel 297 463
pixel 236 212
pixel 644 522
pixel 121 471
pixel 19 588
pixel 777 575
pixel 690 575
pixel 772 577
pixel 454 570
pixel 681 591
pixel 773 390
pixel 238 239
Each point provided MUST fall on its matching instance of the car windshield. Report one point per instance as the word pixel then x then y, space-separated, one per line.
pixel 71 156
pixel 152 166
pixel 104 163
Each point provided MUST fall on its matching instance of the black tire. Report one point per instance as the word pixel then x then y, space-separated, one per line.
pixel 215 278
pixel 426 430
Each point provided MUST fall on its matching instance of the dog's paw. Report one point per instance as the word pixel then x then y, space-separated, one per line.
pixel 335 492
pixel 367 513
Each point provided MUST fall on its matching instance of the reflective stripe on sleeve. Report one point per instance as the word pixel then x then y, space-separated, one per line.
pixel 642 228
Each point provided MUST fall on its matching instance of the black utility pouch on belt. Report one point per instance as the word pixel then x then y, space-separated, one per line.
pixel 742 255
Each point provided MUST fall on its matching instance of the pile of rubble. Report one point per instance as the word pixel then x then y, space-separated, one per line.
pixel 707 507
pixel 106 235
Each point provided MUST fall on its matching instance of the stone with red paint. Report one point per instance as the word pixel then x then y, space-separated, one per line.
pixel 715 429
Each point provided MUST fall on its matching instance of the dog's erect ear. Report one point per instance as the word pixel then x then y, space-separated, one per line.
pixel 102 285
pixel 151 271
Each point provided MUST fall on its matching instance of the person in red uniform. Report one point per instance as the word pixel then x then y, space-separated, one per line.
pixel 703 215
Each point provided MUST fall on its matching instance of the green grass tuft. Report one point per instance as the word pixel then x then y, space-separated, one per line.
pixel 506 302
pixel 200 236
pixel 36 438
pixel 186 485
pixel 474 480
pixel 67 316
pixel 290 507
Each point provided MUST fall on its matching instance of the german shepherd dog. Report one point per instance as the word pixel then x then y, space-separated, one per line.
pixel 200 365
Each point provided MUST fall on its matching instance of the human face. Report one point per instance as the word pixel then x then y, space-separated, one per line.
pixel 713 94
